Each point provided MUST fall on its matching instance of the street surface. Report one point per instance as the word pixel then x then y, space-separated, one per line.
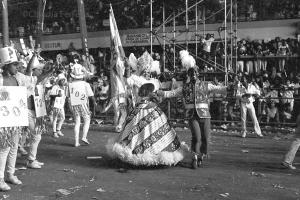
pixel 238 169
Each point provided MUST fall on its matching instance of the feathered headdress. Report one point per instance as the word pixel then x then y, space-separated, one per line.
pixel 132 62
pixel 187 61
pixel 155 67
pixel 144 63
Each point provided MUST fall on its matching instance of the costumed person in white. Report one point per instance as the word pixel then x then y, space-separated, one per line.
pixel 195 94
pixel 34 77
pixel 246 92
pixel 147 139
pixel 80 92
pixel 59 95
pixel 9 136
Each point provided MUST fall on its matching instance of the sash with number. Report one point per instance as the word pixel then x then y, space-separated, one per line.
pixel 13 106
pixel 78 94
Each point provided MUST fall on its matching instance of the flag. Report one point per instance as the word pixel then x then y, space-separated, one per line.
pixel 117 59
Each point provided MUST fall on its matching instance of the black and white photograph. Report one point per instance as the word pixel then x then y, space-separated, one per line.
pixel 149 99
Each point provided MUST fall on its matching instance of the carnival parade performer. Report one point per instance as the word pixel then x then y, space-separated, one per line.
pixel 195 95
pixel 35 75
pixel 9 136
pixel 80 92
pixel 59 95
pixel 147 139
pixel 246 92
pixel 290 155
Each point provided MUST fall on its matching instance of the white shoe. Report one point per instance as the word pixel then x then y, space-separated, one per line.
pixel 13 180
pixel 244 134
pixel 55 135
pixel 40 163
pixel 85 141
pixel 76 145
pixel 3 186
pixel 33 165
pixel 22 151
pixel 288 166
pixel 260 135
pixel 60 133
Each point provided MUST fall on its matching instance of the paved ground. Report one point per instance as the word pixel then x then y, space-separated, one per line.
pixel 239 169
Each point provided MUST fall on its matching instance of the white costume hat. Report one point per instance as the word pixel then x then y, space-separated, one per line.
pixel 78 71
pixel 61 76
pixel 8 55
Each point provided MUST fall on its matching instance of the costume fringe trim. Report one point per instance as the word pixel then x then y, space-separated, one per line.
pixel 116 150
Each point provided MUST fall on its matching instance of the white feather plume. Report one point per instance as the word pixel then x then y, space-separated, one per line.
pixel 155 67
pixel 187 60
pixel 132 61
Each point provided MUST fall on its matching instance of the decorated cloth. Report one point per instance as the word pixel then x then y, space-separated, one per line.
pixel 8 136
pixel 196 96
pixel 147 139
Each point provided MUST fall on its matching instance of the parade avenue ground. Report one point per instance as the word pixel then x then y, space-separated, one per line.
pixel 238 169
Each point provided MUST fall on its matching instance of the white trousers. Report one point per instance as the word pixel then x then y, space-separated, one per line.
pixel 35 138
pixel 249 107
pixel 8 157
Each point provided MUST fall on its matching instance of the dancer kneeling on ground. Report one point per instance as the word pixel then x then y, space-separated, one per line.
pixel 147 138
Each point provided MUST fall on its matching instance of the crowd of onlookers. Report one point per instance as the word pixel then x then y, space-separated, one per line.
pixel 62 16
pixel 279 86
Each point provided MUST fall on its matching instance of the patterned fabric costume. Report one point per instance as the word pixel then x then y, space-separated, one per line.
pixel 8 134
pixel 147 139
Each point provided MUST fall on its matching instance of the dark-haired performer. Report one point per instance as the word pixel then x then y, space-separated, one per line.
pixel 147 138
pixel 195 95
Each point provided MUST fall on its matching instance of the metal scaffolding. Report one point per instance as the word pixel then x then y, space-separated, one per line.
pixel 230 33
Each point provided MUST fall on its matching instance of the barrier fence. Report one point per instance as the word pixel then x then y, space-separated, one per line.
pixel 223 111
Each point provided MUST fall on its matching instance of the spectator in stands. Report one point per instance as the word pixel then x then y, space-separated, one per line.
pixel 207 42
pixel 272 113
pixel 283 50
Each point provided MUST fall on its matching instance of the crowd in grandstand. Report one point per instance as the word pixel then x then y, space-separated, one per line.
pixel 62 17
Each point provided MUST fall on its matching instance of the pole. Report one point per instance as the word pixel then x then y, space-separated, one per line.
pixel 225 45
pixel 83 29
pixel 196 28
pixel 236 36
pixel 231 35
pixel 5 23
pixel 151 26
pixel 174 40
pixel 186 24
pixel 40 20
pixel 164 35
pixel 204 19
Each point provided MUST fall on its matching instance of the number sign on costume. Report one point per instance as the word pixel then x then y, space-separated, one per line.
pixel 77 93
pixel 59 102
pixel 13 106
pixel 39 102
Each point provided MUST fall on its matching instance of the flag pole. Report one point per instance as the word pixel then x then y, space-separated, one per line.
pixel 5 27
pixel 83 29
